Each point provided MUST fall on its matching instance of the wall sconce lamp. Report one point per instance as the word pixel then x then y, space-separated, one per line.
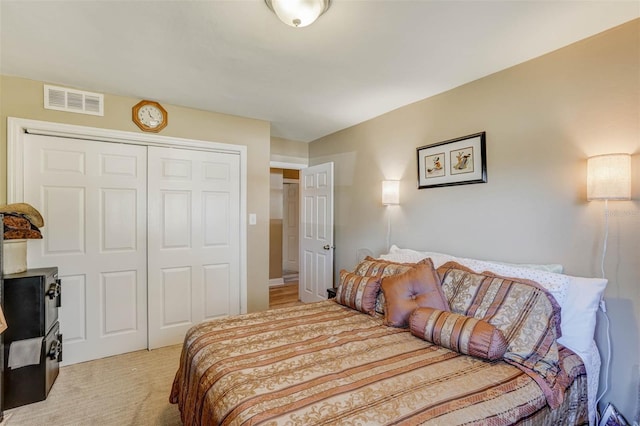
pixel 390 192
pixel 390 197
pixel 298 13
pixel 608 178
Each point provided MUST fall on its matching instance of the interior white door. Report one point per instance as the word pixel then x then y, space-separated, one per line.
pixel 194 243
pixel 92 196
pixel 290 220
pixel 316 232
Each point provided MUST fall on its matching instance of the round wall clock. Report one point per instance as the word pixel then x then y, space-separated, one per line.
pixel 150 116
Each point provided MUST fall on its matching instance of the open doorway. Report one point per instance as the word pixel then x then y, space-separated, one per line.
pixel 290 227
pixel 283 237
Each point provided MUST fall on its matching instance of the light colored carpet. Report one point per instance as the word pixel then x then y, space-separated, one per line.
pixel 129 389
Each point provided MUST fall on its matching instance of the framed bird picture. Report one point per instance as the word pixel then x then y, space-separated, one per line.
pixel 457 161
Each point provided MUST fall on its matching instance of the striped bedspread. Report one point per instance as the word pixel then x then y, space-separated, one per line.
pixel 326 364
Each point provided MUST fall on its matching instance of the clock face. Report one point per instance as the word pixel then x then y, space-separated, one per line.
pixel 150 116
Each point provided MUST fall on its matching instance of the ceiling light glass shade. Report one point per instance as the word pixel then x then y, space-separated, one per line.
pixel 609 177
pixel 390 192
pixel 298 13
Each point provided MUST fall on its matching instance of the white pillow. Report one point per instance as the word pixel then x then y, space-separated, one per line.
pixel 578 297
pixel 579 312
pixel 396 251
pixel 556 284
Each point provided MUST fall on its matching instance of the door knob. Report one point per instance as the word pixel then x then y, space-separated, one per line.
pixel 327 247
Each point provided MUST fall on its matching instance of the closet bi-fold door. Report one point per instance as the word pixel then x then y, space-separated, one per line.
pixel 93 199
pixel 193 240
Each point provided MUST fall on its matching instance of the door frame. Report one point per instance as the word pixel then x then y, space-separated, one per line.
pixel 285 198
pixel 18 127
pixel 291 163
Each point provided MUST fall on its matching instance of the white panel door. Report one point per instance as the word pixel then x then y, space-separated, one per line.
pixel 316 232
pixel 93 199
pixel 194 243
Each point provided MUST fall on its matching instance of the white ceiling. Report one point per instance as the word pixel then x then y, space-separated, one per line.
pixel 359 60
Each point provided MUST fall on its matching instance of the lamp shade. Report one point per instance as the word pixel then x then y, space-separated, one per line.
pixel 390 192
pixel 298 13
pixel 609 177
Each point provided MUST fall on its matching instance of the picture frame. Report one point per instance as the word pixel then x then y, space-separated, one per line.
pixel 458 161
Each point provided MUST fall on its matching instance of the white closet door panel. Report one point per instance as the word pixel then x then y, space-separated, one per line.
pixel 119 165
pixel 216 219
pixel 65 228
pixel 119 291
pixel 73 316
pixel 118 221
pixel 217 290
pixel 176 219
pixel 93 199
pixel 194 247
pixel 63 161
pixel 176 297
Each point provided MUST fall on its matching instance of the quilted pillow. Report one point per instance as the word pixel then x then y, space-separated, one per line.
pixel 466 335
pixel 381 268
pixel 526 313
pixel 416 288
pixel 358 292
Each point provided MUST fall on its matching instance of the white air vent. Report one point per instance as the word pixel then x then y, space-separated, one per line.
pixel 70 100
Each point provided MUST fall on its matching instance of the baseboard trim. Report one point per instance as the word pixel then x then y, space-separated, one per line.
pixel 276 282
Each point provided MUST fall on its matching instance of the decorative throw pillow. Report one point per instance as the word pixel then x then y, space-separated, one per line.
pixel 526 313
pixel 381 268
pixel 371 267
pixel 358 292
pixel 465 335
pixel 418 287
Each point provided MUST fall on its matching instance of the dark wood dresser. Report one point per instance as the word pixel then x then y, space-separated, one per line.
pixel 1 304
pixel 31 301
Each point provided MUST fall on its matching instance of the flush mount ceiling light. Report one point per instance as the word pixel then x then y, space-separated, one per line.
pixel 298 13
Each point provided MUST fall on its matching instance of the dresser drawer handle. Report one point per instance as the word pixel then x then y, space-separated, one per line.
pixel 54 290
pixel 55 349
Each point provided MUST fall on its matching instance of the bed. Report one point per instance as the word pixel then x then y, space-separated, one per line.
pixel 490 355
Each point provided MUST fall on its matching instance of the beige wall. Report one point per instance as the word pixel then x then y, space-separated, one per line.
pixel 543 119
pixel 289 151
pixel 24 99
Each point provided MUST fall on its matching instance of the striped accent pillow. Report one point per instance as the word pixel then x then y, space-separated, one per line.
pixel 526 313
pixel 465 335
pixel 358 292
pixel 381 268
